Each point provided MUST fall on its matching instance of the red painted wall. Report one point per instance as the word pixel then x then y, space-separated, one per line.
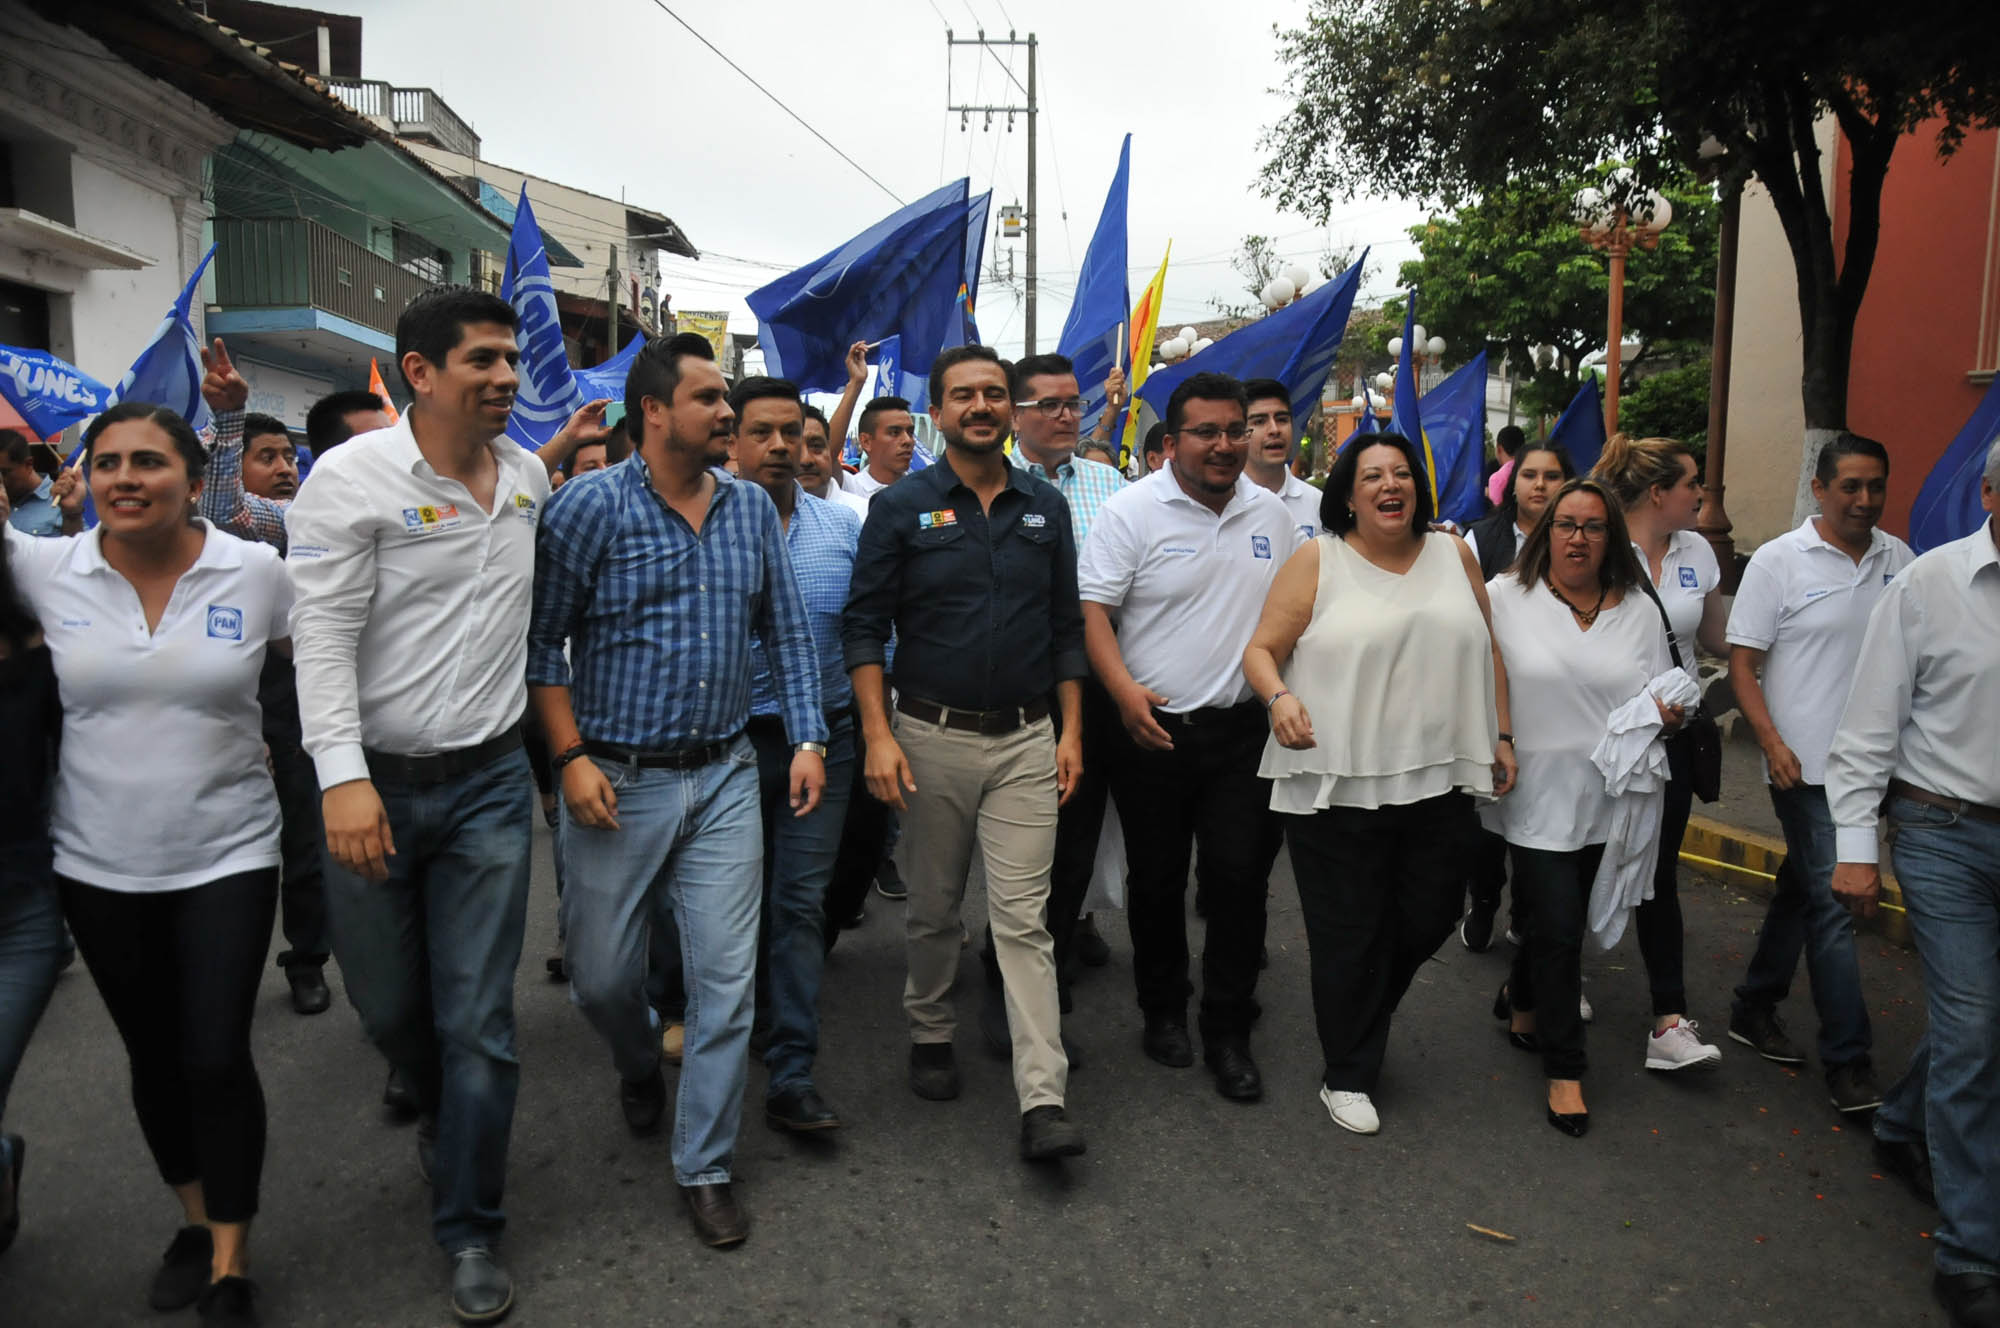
pixel 1916 337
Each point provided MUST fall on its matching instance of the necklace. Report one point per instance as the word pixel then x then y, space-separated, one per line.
pixel 1584 616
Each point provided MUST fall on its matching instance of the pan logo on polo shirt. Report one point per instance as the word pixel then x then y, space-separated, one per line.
pixel 1689 581
pixel 1260 546
pixel 943 517
pixel 225 623
pixel 430 520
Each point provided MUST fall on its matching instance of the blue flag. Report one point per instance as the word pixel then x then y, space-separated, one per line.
pixel 608 379
pixel 1405 413
pixel 890 380
pixel 168 372
pixel 1103 303
pixel 901 276
pixel 1947 507
pixel 548 394
pixel 1454 415
pixel 1579 429
pixel 47 393
pixel 1295 345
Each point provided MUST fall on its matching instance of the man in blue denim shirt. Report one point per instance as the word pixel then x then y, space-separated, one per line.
pixel 657 572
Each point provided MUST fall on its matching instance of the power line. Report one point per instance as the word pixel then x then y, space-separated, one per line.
pixel 662 4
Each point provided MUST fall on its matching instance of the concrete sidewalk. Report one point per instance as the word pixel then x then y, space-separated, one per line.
pixel 1738 837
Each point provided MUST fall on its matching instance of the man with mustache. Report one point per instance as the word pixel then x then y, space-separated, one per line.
pixel 412 552
pixel 972 562
pixel 658 574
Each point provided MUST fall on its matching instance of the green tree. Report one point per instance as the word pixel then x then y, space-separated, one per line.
pixel 1511 273
pixel 1450 101
pixel 1670 404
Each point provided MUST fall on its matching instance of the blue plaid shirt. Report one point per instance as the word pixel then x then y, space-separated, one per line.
pixel 659 619
pixel 821 541
pixel 1085 485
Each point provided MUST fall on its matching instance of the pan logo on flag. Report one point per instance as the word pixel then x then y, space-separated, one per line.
pixel 225 623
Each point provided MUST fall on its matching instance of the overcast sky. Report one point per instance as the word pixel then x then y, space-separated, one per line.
pixel 758 194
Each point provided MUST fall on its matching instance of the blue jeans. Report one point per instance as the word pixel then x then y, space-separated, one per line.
pixel 428 957
pixel 1805 917
pixel 1949 868
pixel 689 849
pixel 31 951
pixel 799 853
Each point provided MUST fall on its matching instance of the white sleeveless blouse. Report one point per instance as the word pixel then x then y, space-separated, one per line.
pixel 1397 675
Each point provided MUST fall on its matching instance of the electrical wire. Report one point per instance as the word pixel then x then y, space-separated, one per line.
pixel 807 125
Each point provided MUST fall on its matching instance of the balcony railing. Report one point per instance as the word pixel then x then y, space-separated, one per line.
pixel 291 262
pixel 413 112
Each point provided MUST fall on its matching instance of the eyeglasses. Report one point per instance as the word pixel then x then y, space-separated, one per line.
pixel 1209 433
pixel 1053 406
pixel 1565 528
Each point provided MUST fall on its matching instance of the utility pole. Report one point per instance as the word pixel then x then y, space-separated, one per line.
pixel 1010 110
pixel 611 305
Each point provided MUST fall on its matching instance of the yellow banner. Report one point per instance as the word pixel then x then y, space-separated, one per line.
pixel 714 326
pixel 1145 323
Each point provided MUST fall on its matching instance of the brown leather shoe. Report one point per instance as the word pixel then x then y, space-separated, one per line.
pixel 717 1219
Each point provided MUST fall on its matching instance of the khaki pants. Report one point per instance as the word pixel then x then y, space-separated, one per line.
pixel 1000 793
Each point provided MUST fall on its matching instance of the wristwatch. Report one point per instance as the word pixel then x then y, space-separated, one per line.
pixel 816 748
pixel 563 758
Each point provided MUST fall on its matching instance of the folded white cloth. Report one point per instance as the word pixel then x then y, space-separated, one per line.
pixel 1634 767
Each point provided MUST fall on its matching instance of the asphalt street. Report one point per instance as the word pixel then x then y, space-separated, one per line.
pixel 1733 1196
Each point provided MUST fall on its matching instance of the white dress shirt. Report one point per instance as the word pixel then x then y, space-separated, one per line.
pixel 1185 585
pixel 1302 501
pixel 411 628
pixel 1805 603
pixel 162 783
pixel 1925 704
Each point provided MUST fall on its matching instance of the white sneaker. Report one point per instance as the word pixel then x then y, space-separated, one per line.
pixel 1678 1047
pixel 1351 1111
pixel 1583 1009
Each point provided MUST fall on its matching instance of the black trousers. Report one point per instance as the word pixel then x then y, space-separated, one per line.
pixel 864 838
pixel 1552 890
pixel 1661 939
pixel 178 971
pixel 303 843
pixel 1202 800
pixel 1379 889
pixel 1486 878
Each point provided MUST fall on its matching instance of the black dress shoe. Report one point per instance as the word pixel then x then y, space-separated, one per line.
pixel 1910 1163
pixel 1166 1041
pixel 309 993
pixel 228 1303
pixel 1972 1300
pixel 10 1188
pixel 1236 1076
pixel 481 1290
pixel 799 1109
pixel 1047 1133
pixel 717 1219
pixel 933 1071
pixel 399 1097
pixel 184 1270
pixel 644 1102
pixel 1575 1124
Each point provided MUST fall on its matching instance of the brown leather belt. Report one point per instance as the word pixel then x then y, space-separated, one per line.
pixel 1978 811
pixel 990 723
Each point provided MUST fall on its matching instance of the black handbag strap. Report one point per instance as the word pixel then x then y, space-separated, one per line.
pixel 1673 650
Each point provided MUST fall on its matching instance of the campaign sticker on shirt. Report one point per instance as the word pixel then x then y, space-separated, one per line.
pixel 944 517
pixel 1260 546
pixel 225 623
pixel 1034 520
pixel 1307 532
pixel 429 520
pixel 524 505
pixel 1887 577
pixel 1689 581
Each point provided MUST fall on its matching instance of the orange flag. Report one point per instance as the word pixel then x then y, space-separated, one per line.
pixel 375 385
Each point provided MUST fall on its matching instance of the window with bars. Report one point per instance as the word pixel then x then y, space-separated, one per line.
pixel 421 257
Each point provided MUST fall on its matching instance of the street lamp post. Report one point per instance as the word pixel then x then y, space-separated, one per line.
pixel 1610 225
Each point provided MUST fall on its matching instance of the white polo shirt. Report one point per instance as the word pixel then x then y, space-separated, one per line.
pixel 162 784
pixel 1185 585
pixel 1687 574
pixel 412 621
pixel 1806 603
pixel 1302 501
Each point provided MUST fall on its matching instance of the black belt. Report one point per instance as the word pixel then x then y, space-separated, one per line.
pixel 990 723
pixel 391 768
pixel 1209 716
pixel 774 725
pixel 1978 811
pixel 684 758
